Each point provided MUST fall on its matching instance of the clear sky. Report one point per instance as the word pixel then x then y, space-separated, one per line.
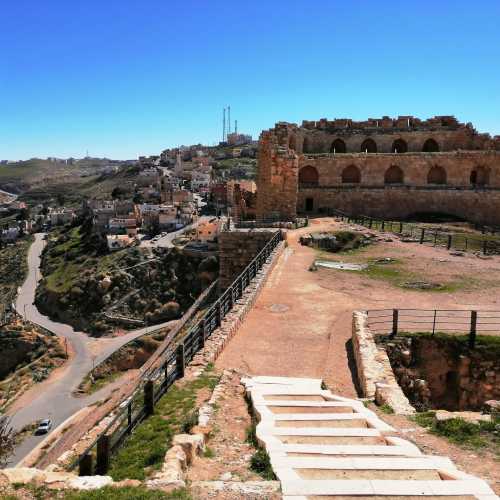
pixel 122 78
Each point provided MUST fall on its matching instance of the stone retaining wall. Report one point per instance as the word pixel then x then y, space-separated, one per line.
pixel 375 374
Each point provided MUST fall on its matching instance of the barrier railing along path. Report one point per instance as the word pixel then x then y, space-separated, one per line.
pixel 168 366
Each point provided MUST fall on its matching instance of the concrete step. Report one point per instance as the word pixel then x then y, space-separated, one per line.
pixel 324 446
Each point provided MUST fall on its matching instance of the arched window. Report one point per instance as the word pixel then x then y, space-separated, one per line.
pixel 480 176
pixel 399 146
pixel 291 142
pixel 436 175
pixel 308 176
pixel 338 146
pixel 306 146
pixel 394 175
pixel 368 146
pixel 430 146
pixel 351 175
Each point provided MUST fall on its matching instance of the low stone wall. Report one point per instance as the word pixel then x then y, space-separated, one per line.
pixel 375 374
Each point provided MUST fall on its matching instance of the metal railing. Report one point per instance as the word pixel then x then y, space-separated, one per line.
pixel 421 234
pixel 165 367
pixel 270 222
pixel 467 322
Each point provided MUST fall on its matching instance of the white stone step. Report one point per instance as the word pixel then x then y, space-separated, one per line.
pixel 386 487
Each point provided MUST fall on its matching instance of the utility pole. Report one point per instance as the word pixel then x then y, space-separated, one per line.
pixel 224 125
pixel 229 118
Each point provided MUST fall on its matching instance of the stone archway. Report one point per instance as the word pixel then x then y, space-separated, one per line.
pixel 368 146
pixel 430 146
pixel 308 176
pixel 436 175
pixel 351 175
pixel 399 146
pixel 394 175
pixel 338 146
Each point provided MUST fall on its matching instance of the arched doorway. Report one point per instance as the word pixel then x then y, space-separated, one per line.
pixel 480 176
pixel 306 145
pixel 308 176
pixel 436 175
pixel 430 146
pixel 351 175
pixel 394 175
pixel 368 146
pixel 399 146
pixel 338 146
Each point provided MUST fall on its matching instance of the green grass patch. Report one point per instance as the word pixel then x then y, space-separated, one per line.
pixel 144 450
pixel 463 433
pixel 387 409
pixel 209 452
pixel 261 464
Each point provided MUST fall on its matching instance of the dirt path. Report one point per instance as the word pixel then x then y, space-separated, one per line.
pixel 301 324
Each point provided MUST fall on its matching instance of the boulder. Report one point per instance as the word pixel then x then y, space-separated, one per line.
pixel 492 406
pixel 469 416
pixel 89 482
pixel 192 444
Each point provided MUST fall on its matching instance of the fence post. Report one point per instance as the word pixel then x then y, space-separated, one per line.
pixel 434 322
pixel 179 361
pixel 395 317
pixel 400 228
pixel 370 224
pixel 448 245
pixel 435 237
pixel 473 329
pixel 129 414
pixel 85 465
pixel 484 246
pixel 383 225
pixel 422 235
pixel 102 460
pixel 202 334
pixel 149 398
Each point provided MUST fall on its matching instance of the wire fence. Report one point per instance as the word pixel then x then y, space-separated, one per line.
pixel 460 241
pixel 276 223
pixel 165 367
pixel 466 322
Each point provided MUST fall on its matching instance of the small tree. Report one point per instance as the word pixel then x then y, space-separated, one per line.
pixel 7 439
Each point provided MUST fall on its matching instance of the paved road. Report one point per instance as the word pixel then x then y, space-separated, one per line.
pixel 55 399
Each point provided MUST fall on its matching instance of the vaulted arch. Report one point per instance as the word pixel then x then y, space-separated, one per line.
pixel 436 175
pixel 308 176
pixel 306 145
pixel 430 146
pixel 368 146
pixel 338 146
pixel 399 146
pixel 351 175
pixel 480 176
pixel 394 175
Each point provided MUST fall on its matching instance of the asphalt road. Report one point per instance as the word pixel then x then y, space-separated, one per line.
pixel 53 398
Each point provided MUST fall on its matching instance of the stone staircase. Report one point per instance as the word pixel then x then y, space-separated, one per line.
pixel 324 447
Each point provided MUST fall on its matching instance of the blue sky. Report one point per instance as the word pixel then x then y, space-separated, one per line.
pixel 123 78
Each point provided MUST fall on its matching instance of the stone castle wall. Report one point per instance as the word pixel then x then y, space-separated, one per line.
pixel 236 250
pixel 462 178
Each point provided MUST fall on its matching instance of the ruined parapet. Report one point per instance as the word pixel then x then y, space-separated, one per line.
pixel 277 177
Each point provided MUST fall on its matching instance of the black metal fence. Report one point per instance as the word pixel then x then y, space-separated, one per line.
pixel 466 322
pixel 165 367
pixel 270 223
pixel 436 237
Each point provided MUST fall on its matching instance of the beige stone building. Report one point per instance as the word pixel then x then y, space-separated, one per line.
pixel 392 168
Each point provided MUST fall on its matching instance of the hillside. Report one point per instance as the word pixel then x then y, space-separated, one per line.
pixel 89 288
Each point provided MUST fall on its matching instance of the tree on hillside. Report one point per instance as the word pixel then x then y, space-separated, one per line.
pixel 7 439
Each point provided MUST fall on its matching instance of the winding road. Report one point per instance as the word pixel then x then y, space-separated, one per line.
pixel 53 398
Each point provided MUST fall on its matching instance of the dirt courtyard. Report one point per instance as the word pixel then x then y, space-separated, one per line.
pixel 301 323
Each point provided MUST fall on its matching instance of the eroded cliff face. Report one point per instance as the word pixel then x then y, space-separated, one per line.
pixel 18 347
pixel 441 373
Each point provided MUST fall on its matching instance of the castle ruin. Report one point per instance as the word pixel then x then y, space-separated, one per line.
pixel 389 167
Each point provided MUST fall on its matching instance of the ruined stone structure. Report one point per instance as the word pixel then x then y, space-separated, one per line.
pixel 390 168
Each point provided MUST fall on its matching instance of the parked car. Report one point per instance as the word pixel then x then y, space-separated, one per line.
pixel 43 427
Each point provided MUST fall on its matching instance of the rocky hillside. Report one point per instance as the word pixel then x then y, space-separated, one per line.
pixel 93 290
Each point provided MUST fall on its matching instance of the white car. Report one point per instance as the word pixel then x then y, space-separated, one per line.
pixel 44 426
